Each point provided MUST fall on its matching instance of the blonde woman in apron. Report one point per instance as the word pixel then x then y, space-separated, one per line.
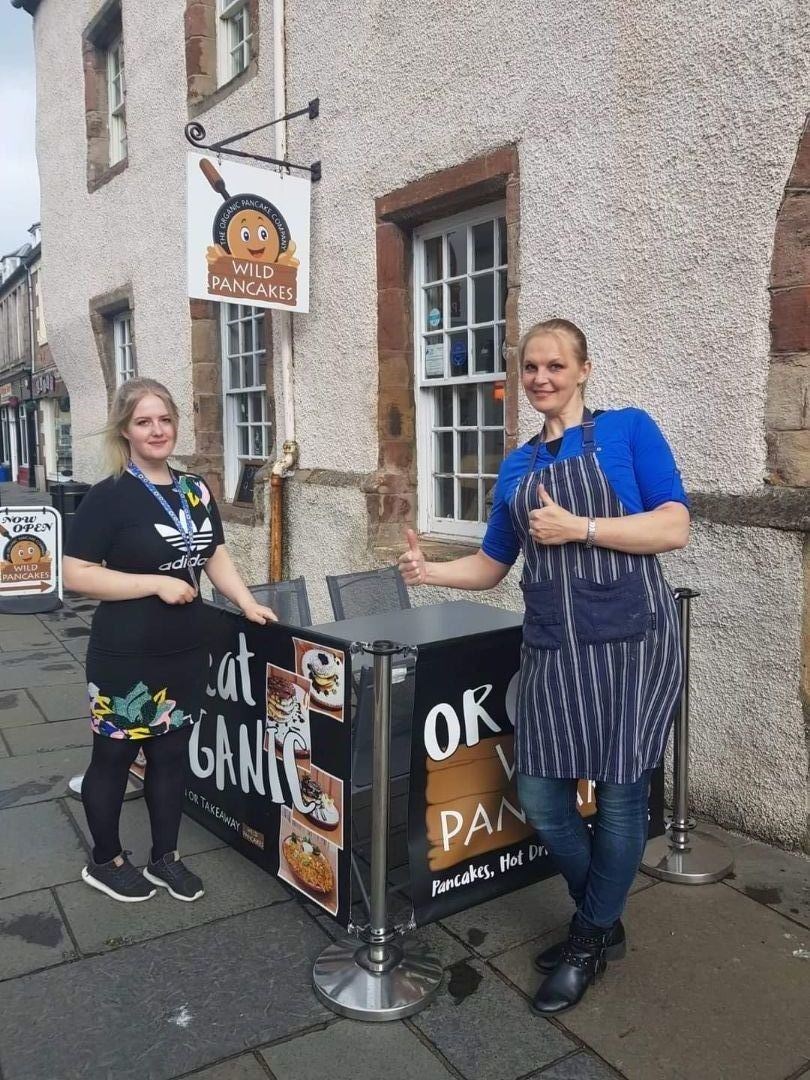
pixel 591 501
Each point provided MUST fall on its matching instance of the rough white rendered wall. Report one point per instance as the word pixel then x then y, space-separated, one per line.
pixel 654 141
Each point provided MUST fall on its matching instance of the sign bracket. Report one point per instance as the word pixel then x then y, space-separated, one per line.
pixel 195 133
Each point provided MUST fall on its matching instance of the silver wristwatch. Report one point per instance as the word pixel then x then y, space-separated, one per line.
pixel 590 536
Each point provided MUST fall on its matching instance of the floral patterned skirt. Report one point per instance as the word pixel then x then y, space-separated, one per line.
pixel 138 697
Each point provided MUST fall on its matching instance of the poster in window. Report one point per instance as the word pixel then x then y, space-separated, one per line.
pixel 247 234
pixel 247 482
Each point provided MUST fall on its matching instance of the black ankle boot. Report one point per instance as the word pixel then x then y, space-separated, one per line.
pixel 581 960
pixel 615 949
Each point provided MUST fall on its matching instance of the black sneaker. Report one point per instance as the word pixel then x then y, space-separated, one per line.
pixel 170 873
pixel 119 879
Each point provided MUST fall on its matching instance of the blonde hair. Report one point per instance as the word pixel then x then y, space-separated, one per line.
pixel 556 327
pixel 124 403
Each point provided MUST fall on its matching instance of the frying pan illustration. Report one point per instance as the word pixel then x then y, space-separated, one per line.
pixel 235 204
pixel 25 539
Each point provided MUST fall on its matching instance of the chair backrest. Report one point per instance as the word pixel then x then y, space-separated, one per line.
pixel 367 592
pixel 288 599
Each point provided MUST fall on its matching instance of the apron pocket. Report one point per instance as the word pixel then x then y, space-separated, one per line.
pixel 542 623
pixel 613 611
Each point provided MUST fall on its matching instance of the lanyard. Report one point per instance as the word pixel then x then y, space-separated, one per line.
pixel 184 523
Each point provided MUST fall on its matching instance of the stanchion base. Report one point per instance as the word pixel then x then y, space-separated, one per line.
pixel 705 859
pixel 343 984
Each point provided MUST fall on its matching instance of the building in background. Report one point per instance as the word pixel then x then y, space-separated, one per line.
pixel 622 166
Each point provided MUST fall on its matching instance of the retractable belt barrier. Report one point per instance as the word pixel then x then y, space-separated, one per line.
pixel 384 976
pixel 683 854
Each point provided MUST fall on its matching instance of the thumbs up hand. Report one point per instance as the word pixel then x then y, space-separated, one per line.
pixel 551 524
pixel 412 563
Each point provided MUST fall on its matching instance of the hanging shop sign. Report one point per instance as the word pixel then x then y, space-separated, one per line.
pixel 30 553
pixel 6 391
pixel 270 759
pixel 468 836
pixel 248 234
pixel 43 384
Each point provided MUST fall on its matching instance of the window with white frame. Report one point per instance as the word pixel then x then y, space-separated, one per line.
pixel 233 38
pixel 116 117
pixel 247 425
pixel 25 420
pixel 124 347
pixel 459 335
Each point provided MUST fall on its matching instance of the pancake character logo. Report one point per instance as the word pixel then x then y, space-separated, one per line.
pixel 253 255
pixel 26 559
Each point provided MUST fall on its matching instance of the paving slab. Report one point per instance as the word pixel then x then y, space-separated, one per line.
pixel 580 1066
pixel 165 1007
pixel 77 649
pixel 38 777
pixel 38 848
pixel 232 885
pixel 19 623
pixel 352 1050
pixel 67 701
pixel 32 934
pixel 136 835
pixel 3 747
pixel 777 878
pixel 485 1029
pixel 68 629
pixel 710 988
pixel 499 924
pixel 245 1067
pixel 23 637
pixel 18 710
pixel 38 667
pixel 61 735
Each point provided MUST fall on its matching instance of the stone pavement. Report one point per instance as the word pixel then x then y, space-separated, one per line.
pixel 716 983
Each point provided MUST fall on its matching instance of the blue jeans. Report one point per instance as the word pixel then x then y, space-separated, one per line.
pixel 598 866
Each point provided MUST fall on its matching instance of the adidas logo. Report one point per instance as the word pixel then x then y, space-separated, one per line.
pixel 183 562
pixel 202 536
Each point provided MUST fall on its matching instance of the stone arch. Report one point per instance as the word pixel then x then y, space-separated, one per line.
pixel 788 397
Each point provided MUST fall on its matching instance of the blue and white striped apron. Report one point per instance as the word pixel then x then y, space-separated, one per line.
pixel 601 665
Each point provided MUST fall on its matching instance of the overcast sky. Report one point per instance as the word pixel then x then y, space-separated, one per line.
pixel 19 182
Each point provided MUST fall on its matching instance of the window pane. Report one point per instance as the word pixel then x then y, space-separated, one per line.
pixel 458 353
pixel 493 451
pixel 489 497
pixel 434 307
pixel 468 452
pixel 258 442
pixel 458 303
pixel 233 338
pixel 242 409
pixel 444 496
pixel 502 292
pixel 493 404
pixel 468 500
pixel 483 245
pixel 484 298
pixel 467 406
pixel 247 341
pixel 233 373
pixel 443 445
pixel 502 241
pixel 484 344
pixel 262 371
pixel 434 356
pixel 433 259
pixel 244 442
pixel 457 252
pixel 444 407
pixel 256 408
pixel 500 346
pixel 259 331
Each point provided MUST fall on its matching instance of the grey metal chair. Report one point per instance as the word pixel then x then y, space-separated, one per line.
pixel 288 599
pixel 367 592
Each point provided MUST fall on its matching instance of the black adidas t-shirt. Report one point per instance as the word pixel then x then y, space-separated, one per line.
pixel 121 524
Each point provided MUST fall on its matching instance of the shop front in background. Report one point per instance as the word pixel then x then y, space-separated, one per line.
pixel 56 447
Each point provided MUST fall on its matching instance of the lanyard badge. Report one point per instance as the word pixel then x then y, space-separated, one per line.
pixel 184 523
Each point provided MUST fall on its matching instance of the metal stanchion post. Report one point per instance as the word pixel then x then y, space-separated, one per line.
pixel 384 976
pixel 683 855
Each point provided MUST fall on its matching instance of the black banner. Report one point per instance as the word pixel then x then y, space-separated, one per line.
pixel 468 838
pixel 270 760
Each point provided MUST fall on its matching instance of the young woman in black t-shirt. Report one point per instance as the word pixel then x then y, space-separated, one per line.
pixel 138 543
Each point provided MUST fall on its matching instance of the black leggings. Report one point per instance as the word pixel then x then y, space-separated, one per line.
pixel 105 782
